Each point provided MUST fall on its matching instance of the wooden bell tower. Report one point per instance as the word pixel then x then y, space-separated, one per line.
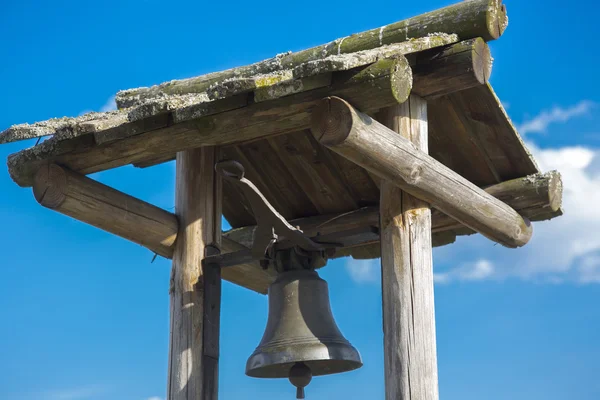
pixel 394 133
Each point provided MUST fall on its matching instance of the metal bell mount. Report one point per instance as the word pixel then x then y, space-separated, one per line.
pixel 301 339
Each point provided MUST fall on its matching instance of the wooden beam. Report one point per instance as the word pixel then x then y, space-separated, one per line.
pixel 195 297
pixel 250 275
pixel 379 85
pixel 536 197
pixel 407 273
pixel 468 19
pixel 99 205
pixel 452 68
pixel 356 136
pixel 156 139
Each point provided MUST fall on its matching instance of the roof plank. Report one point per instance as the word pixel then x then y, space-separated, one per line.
pixel 466 20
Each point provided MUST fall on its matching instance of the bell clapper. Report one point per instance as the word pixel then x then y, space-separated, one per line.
pixel 300 376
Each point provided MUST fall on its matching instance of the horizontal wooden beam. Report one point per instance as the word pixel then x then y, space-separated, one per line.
pixel 468 19
pixel 386 82
pixel 113 211
pixel 536 197
pixel 436 72
pixel 359 138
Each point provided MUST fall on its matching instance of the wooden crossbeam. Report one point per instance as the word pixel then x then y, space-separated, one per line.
pixel 356 136
pixel 536 197
pixel 113 211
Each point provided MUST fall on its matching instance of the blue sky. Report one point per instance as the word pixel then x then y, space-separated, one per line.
pixel 85 314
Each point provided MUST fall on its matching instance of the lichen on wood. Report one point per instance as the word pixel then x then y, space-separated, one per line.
pixel 65 127
pixel 468 19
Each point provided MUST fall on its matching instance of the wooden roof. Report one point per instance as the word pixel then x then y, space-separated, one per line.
pixel 260 115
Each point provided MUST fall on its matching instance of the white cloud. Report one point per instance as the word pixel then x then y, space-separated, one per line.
pixel 477 271
pixel 566 249
pixel 540 123
pixel 364 271
pixel 564 245
pixel 110 105
pixel 154 398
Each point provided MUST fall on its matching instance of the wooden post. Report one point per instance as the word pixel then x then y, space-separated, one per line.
pixel 195 294
pixel 407 273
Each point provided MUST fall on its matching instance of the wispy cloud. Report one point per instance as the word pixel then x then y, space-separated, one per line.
pixel 363 271
pixel 566 249
pixel 110 105
pixel 540 123
pixel 77 393
pixel 154 398
pixel 476 271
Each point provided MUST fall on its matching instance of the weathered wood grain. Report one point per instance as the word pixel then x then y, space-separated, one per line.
pixel 309 165
pixel 492 131
pixel 199 211
pixel 99 205
pixel 116 212
pixel 536 197
pixel 468 19
pixel 64 128
pixel 452 68
pixel 407 273
pixel 356 136
pixel 370 91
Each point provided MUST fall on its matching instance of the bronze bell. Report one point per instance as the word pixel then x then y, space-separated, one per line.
pixel 301 339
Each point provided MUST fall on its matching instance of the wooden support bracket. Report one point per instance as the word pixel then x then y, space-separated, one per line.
pixel 366 142
pixel 99 205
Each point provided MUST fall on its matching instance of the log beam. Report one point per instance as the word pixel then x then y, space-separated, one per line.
pixel 384 83
pixel 452 68
pixel 359 138
pixel 436 72
pixel 379 85
pixel 536 197
pixel 468 19
pixel 94 203
pixel 99 205
pixel 195 292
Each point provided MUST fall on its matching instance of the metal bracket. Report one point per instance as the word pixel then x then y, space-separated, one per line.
pixel 270 224
pixel 273 235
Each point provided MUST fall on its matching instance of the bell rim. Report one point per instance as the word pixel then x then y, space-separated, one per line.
pixel 341 357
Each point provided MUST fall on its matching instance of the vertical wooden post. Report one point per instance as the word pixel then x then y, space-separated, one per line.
pixel 407 273
pixel 195 292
